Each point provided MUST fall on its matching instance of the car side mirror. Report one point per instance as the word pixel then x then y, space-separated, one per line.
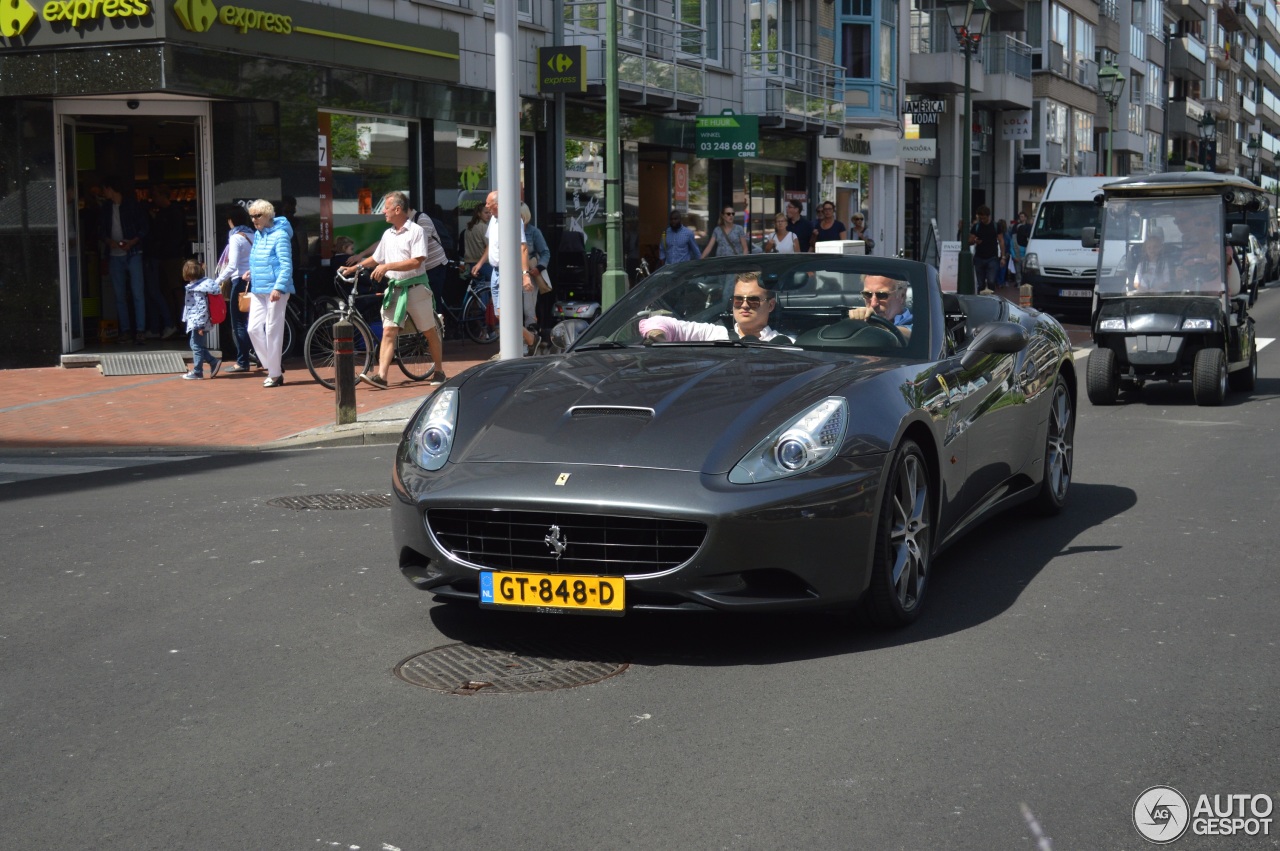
pixel 1089 237
pixel 1240 236
pixel 994 338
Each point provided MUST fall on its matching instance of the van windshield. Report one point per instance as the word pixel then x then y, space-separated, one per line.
pixel 1065 219
pixel 1162 246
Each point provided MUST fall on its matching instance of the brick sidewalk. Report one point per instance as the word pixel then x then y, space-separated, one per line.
pixel 57 408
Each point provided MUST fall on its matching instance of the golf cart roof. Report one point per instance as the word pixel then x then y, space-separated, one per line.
pixel 1237 192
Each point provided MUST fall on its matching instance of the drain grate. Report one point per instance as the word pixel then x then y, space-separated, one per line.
pixel 332 501
pixel 142 363
pixel 514 669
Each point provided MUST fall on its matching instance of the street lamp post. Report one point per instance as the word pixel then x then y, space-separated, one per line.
pixel 968 19
pixel 1208 132
pixel 1111 84
pixel 1254 145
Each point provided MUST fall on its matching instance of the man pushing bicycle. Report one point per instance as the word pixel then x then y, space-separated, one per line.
pixel 401 261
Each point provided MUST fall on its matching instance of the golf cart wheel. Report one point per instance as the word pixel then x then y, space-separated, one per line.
pixel 1246 379
pixel 1209 377
pixel 1101 382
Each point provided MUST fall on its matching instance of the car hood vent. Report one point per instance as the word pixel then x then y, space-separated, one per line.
pixel 579 412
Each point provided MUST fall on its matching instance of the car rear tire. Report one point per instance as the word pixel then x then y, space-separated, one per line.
pixel 1209 377
pixel 904 543
pixel 1101 382
pixel 1246 379
pixel 1059 451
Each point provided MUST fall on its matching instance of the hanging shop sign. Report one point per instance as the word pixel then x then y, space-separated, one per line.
pixel 924 111
pixel 562 69
pixel 1015 124
pixel 727 135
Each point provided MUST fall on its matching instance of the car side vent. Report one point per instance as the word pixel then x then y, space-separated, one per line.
pixel 594 411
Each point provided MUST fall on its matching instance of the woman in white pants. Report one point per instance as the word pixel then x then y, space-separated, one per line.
pixel 270 278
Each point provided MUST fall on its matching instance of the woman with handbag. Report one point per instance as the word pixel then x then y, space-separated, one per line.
pixel 728 238
pixel 232 266
pixel 270 279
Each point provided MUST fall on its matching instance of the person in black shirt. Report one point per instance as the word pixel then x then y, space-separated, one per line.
pixel 827 228
pixel 1021 234
pixel 986 253
pixel 801 227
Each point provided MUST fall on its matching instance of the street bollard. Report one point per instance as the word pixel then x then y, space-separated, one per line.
pixel 1024 295
pixel 344 373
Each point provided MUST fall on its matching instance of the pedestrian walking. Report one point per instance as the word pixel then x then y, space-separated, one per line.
pixel 828 228
pixel 493 257
pixel 678 243
pixel 195 313
pixel 798 224
pixel 1021 236
pixel 986 251
pixel 232 267
pixel 859 230
pixel 727 238
pixel 270 278
pixel 1002 241
pixel 125 226
pixel 781 240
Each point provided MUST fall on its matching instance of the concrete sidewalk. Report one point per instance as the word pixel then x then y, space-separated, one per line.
pixel 80 409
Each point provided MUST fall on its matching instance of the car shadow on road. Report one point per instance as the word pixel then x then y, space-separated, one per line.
pixel 1178 394
pixel 975 581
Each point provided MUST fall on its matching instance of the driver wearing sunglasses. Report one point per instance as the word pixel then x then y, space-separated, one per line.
pixel 752 305
pixel 887 298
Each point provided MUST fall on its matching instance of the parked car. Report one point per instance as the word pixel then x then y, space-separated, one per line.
pixel 1254 264
pixel 667 461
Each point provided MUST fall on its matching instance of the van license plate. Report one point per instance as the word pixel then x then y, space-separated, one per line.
pixel 1076 293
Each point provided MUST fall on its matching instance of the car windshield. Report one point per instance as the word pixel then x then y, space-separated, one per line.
pixel 790 301
pixel 1162 246
pixel 1064 219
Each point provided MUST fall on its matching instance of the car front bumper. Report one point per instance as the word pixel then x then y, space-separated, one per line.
pixel 797 543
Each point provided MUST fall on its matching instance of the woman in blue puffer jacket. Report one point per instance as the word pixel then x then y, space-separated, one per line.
pixel 270 278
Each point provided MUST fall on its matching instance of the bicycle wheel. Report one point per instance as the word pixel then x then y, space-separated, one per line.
pixel 318 350
pixel 475 319
pixel 413 355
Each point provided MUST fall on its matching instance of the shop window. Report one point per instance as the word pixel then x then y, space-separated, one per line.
pixel 584 188
pixel 363 158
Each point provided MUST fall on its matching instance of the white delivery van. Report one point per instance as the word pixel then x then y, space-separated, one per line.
pixel 1061 271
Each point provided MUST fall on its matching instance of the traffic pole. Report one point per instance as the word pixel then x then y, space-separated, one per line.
pixel 344 374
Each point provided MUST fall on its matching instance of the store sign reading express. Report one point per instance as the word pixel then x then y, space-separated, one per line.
pixel 17 15
pixel 199 15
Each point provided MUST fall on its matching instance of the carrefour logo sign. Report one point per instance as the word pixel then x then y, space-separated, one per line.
pixel 17 15
pixel 198 16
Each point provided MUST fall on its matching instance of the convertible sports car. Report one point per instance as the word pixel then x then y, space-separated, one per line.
pixel 682 455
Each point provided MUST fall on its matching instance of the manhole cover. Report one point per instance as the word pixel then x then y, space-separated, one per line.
pixel 332 501
pixel 467 669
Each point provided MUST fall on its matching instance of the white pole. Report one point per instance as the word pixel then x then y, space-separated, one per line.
pixel 506 154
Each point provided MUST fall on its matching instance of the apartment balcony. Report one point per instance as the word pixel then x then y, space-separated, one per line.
pixel 1006 68
pixel 1187 58
pixel 1188 10
pixel 1251 60
pixel 1185 117
pixel 1249 17
pixel 1056 61
pixel 1269 26
pixel 660 60
pixel 1226 10
pixel 1249 106
pixel 1269 74
pixel 942 71
pixel 793 91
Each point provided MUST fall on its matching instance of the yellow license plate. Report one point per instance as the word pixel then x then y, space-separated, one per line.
pixel 553 592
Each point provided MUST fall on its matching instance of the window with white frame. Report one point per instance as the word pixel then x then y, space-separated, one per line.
pixel 1083 131
pixel 704 14
pixel 1055 121
pixel 1137 109
pixel 772 33
pixel 1155 86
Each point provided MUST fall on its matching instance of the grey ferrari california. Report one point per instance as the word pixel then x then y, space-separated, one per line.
pixel 757 433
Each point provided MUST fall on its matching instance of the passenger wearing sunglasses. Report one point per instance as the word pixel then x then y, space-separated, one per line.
pixel 887 298
pixel 752 305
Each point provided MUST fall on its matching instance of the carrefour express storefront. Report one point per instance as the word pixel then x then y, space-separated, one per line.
pixel 209 104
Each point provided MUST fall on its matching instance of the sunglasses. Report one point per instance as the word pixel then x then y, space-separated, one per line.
pixel 751 301
pixel 868 294
pixel 256 216
pixel 857 218
pixel 727 213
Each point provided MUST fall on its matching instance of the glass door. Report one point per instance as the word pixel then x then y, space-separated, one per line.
pixel 72 257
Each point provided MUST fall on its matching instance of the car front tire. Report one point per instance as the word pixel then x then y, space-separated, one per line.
pixel 1059 451
pixel 1209 377
pixel 904 543
pixel 1101 382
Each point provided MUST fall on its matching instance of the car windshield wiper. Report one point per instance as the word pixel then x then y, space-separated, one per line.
pixel 603 344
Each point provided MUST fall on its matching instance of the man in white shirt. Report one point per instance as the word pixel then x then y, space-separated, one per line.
pixel 399 262
pixel 752 305
pixel 492 255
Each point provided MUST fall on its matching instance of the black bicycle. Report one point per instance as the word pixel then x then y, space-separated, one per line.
pixel 471 314
pixel 413 355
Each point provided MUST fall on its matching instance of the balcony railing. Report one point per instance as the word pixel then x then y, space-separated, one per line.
pixel 1004 54
pixel 792 88
pixel 1084 72
pixel 660 58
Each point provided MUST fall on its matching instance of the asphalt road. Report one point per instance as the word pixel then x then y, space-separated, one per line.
pixel 184 666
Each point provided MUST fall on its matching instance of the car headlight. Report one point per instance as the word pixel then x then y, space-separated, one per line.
pixel 1031 262
pixel 1201 324
pixel 432 437
pixel 1111 325
pixel 800 445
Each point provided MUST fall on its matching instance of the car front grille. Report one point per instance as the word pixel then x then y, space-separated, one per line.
pixel 1063 272
pixel 592 543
